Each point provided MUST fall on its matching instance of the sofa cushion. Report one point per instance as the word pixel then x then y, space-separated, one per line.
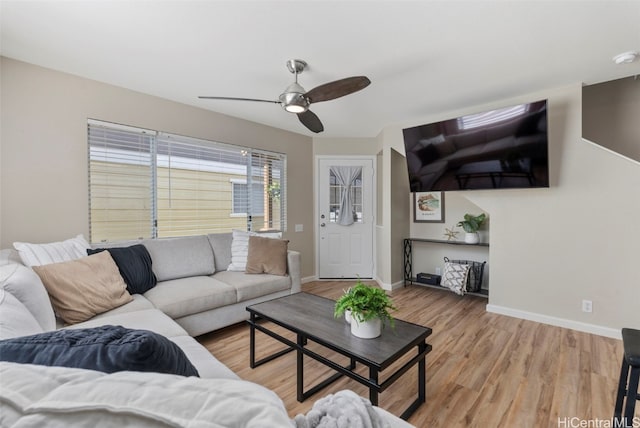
pixel 83 288
pixel 54 252
pixel 267 255
pixel 15 318
pixel 252 286
pixel 139 303
pixel 221 245
pixel 9 256
pixel 25 285
pixel 134 264
pixel 206 364
pixel 146 319
pixel 181 257
pixel 180 297
pixel 107 349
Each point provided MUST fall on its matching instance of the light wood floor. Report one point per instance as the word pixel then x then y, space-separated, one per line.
pixel 485 370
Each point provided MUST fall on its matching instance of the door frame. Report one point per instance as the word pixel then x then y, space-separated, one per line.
pixel 316 216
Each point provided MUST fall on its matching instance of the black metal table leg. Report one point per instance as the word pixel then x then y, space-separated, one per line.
pixel 373 392
pixel 252 341
pixel 300 368
pixel 422 375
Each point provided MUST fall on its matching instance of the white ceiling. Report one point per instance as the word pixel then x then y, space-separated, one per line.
pixel 423 57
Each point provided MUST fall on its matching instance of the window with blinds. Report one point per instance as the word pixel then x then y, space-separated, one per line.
pixel 120 183
pixel 151 184
pixel 491 117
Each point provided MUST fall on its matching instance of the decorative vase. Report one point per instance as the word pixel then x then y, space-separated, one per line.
pixel 347 316
pixel 366 329
pixel 471 238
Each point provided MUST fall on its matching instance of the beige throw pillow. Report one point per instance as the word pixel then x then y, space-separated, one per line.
pixel 240 247
pixel 267 255
pixel 83 288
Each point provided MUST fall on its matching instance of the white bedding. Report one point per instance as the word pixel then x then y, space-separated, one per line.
pixel 38 396
pixel 33 396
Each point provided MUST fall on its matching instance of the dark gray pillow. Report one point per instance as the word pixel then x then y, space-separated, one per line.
pixel 134 264
pixel 106 348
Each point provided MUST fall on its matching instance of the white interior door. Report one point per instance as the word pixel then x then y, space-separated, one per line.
pixel 345 226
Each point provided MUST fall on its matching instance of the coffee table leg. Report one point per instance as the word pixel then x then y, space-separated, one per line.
pixel 252 341
pixel 422 395
pixel 300 367
pixel 373 394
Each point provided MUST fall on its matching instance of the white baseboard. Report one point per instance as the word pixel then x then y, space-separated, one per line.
pixel 389 287
pixel 308 279
pixel 558 322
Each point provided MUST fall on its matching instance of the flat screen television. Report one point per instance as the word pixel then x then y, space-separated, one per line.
pixel 497 149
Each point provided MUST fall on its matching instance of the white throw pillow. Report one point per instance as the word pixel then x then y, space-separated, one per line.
pixel 240 248
pixel 455 277
pixel 15 318
pixel 54 252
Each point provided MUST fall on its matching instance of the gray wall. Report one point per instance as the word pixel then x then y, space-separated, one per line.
pixel 43 174
pixel 552 248
pixel 611 115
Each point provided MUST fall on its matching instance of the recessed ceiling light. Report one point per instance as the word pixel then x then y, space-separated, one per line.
pixel 626 57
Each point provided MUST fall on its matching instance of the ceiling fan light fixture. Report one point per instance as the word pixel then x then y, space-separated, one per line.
pixel 294 102
pixel 293 108
pixel 626 57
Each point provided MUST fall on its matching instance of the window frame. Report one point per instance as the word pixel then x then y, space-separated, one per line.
pixel 251 171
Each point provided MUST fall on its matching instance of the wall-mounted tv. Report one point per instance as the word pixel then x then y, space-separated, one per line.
pixel 497 149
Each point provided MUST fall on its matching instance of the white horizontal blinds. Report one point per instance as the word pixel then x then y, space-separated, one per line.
pixel 195 186
pixel 148 184
pixel 120 182
pixel 491 117
pixel 266 175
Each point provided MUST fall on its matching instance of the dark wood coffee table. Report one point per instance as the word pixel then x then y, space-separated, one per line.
pixel 311 318
pixel 495 170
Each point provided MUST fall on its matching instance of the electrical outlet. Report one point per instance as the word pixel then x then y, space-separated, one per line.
pixel 587 306
pixel 438 271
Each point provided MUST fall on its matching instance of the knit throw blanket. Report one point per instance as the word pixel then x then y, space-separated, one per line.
pixel 345 409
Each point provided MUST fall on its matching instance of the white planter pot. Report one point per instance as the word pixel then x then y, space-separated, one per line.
pixel 347 316
pixel 471 238
pixel 367 329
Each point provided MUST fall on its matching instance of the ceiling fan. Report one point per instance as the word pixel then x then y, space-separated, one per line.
pixel 296 100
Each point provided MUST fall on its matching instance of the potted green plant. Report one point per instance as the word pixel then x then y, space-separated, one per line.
pixel 471 224
pixel 368 307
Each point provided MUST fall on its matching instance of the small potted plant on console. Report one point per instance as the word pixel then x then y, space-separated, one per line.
pixel 369 308
pixel 471 224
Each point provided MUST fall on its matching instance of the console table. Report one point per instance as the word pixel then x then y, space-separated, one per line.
pixel 408 261
pixel 494 170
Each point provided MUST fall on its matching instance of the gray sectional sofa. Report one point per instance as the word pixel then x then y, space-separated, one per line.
pixel 195 294
pixel 196 290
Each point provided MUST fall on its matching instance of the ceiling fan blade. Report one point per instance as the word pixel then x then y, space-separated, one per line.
pixel 311 121
pixel 238 99
pixel 337 89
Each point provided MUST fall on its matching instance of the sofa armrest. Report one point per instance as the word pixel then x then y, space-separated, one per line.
pixel 293 269
pixel 9 256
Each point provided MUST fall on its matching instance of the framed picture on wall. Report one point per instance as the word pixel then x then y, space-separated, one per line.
pixel 428 207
